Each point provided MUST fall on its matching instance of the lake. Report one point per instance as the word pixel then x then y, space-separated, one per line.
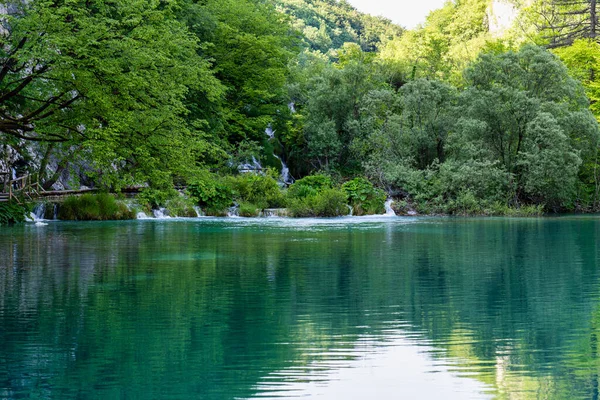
pixel 348 308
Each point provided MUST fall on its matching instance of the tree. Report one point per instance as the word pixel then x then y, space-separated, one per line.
pixel 507 106
pixel 104 81
pixel 250 45
pixel 333 111
pixel 569 20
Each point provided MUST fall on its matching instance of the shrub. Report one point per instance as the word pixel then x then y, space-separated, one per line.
pixel 12 213
pixel 364 198
pixel 90 207
pixel 181 207
pixel 260 190
pixel 213 195
pixel 327 203
pixel 151 198
pixel 309 186
pixel 248 210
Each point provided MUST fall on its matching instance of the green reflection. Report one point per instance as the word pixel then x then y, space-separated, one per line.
pixel 190 309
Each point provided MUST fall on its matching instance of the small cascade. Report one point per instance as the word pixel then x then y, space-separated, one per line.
pixel 350 210
pixel 199 212
pixel 270 132
pixel 389 211
pixel 292 107
pixel 285 172
pixel 274 213
pixel 55 212
pixel 161 213
pixel 38 213
pixel 286 178
pixel 234 211
pixel 251 166
pixel 141 215
pixel 14 173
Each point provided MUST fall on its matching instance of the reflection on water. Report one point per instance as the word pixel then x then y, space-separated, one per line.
pixel 373 307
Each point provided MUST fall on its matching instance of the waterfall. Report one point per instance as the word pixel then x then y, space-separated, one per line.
pixel 38 212
pixel 55 211
pixel 389 211
pixel 14 173
pixel 274 213
pixel 161 213
pixel 234 211
pixel 270 132
pixel 250 167
pixel 285 172
pixel 199 212
pixel 350 210
pixel 141 215
pixel 285 177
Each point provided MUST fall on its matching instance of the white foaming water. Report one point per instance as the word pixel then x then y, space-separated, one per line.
pixel 199 212
pixel 141 215
pixel 350 210
pixel 161 213
pixel 250 167
pixel 285 178
pixel 285 172
pixel 270 132
pixel 234 212
pixel 389 211
pixel 38 213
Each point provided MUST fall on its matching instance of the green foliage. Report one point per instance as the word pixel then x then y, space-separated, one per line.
pixel 326 203
pixel 315 196
pixel 309 186
pixel 261 191
pixel 249 210
pixel 12 213
pixel 104 81
pixel 583 58
pixel 181 206
pixel 93 207
pixel 214 196
pixel 364 198
pixel 517 134
pixel 327 25
pixel 451 37
pixel 151 198
pixel 250 44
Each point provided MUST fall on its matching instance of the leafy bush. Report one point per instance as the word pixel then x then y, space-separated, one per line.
pixel 364 198
pixel 90 207
pixel 327 203
pixel 181 207
pixel 309 186
pixel 260 190
pixel 214 196
pixel 248 210
pixel 12 213
pixel 150 198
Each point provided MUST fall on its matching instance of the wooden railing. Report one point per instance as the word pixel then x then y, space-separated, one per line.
pixel 23 188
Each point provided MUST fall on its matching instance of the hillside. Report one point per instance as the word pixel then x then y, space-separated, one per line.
pixel 328 24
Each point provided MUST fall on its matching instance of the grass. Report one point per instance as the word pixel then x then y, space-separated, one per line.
pixel 94 207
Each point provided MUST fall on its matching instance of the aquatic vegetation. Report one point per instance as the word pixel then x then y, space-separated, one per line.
pixel 94 207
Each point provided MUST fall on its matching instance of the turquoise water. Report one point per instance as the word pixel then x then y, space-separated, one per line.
pixel 385 308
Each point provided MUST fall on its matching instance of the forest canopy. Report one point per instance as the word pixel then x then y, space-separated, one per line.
pixel 451 117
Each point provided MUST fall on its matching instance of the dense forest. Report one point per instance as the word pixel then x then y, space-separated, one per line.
pixel 304 104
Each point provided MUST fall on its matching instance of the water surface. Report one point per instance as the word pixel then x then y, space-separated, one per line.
pixel 384 308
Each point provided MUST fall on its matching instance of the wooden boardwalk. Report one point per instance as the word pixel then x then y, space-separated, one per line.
pixel 26 189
